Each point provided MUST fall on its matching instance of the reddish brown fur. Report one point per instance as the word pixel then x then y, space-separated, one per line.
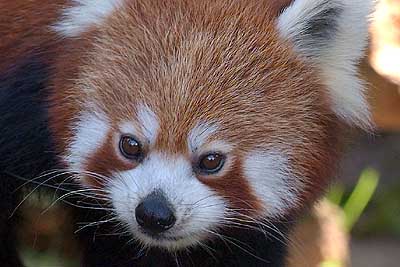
pixel 24 28
pixel 235 188
pixel 278 6
pixel 189 61
pixel 204 62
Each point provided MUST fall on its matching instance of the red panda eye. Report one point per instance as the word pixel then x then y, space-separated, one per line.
pixel 211 163
pixel 130 148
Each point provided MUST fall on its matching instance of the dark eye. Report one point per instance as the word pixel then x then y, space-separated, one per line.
pixel 130 148
pixel 211 163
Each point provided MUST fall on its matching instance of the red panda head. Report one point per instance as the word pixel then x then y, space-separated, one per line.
pixel 194 115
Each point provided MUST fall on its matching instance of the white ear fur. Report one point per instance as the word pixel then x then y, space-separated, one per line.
pixel 333 35
pixel 83 14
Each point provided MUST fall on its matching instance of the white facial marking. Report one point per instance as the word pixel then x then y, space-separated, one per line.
pixel 129 128
pixel 196 207
pixel 270 177
pixel 84 14
pixel 335 46
pixel 149 123
pixel 199 135
pixel 91 132
pixel 216 145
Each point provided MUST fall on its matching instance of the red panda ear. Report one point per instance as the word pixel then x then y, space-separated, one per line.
pixel 83 14
pixel 332 34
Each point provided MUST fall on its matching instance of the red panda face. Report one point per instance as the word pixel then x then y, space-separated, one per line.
pixel 193 116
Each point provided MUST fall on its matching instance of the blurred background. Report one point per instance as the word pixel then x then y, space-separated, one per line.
pixel 358 224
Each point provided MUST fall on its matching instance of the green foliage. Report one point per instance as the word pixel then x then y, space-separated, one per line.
pixel 331 264
pixel 358 199
pixel 354 204
pixel 379 210
pixel 383 216
pixel 48 258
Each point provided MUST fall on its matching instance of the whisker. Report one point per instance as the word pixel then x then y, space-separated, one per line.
pixel 233 242
pixel 96 223
pixel 30 193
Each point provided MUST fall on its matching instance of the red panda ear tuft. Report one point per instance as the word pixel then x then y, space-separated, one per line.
pixel 332 35
pixel 83 14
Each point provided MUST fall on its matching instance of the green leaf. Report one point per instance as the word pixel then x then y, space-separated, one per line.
pixel 360 197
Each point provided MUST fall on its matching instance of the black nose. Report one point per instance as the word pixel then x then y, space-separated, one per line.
pixel 154 214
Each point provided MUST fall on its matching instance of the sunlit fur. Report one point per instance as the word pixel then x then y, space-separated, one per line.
pixel 336 52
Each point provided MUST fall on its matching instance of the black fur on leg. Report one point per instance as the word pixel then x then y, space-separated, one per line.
pixel 8 200
pixel 25 146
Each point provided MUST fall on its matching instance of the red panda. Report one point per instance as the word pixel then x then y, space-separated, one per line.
pixel 202 129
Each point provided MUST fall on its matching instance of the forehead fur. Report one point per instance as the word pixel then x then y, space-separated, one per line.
pixel 192 62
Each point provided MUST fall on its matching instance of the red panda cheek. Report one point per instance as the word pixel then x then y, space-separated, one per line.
pixel 234 188
pixel 317 163
pixel 105 162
